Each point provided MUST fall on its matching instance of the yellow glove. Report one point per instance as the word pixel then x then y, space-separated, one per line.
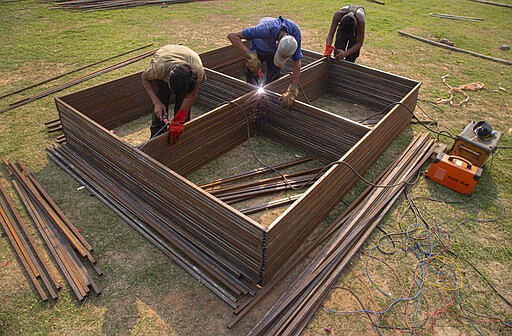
pixel 288 98
pixel 252 62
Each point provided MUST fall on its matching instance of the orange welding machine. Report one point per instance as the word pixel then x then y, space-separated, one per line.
pixel 462 167
pixel 454 172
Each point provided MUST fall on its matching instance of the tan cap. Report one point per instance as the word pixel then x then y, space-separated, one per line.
pixel 285 49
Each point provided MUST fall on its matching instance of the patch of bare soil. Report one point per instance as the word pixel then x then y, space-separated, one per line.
pixel 352 111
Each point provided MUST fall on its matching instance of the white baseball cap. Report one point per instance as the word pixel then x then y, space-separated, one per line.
pixel 285 49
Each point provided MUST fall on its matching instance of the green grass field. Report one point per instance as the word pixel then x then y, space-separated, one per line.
pixel 145 293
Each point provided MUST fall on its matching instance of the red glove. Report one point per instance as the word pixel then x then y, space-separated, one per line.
pixel 260 73
pixel 328 50
pixel 176 127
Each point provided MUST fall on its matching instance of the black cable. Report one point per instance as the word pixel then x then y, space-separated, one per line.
pixel 317 174
pixel 439 133
pixel 483 276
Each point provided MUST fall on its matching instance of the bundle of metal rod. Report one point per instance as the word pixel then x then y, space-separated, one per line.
pixel 244 191
pixel 334 135
pixel 59 234
pixel 268 188
pixel 219 182
pixel 53 125
pixel 224 189
pixel 287 234
pixel 92 5
pixel 208 136
pixel 357 84
pixel 456 17
pixel 232 246
pixel 293 311
pixel 373 89
pixel 151 227
pixel 206 224
pixel 28 253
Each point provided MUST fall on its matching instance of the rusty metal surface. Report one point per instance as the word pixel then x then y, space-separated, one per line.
pixel 95 5
pixel 293 310
pixel 231 248
pixel 62 239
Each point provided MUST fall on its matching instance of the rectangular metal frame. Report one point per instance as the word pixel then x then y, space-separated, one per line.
pixel 183 212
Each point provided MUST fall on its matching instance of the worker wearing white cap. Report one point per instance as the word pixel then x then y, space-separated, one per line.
pixel 273 41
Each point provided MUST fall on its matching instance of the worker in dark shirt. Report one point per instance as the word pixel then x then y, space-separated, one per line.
pixel 273 41
pixel 349 25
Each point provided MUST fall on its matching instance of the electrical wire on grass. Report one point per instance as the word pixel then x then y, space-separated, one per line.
pixel 434 131
pixel 426 255
pixel 436 273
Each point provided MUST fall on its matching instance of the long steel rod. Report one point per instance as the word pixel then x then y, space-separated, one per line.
pixel 208 186
pixel 499 60
pixel 76 81
pixel 39 262
pixel 72 71
pixel 23 260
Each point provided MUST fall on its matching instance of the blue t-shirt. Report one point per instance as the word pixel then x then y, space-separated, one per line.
pixel 263 36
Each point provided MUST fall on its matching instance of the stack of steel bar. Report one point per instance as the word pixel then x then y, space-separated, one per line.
pixel 61 237
pixel 331 133
pixel 366 86
pixel 258 171
pixel 28 253
pixel 154 226
pixel 91 5
pixel 149 180
pixel 333 137
pixel 358 84
pixel 293 311
pixel 228 244
pixel 53 125
pixel 227 190
pixel 208 136
pixel 233 193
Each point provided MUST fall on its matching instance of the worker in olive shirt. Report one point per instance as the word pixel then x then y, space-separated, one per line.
pixel 178 70
pixel 274 41
pixel 349 24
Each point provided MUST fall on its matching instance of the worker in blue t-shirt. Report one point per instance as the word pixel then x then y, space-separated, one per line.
pixel 273 41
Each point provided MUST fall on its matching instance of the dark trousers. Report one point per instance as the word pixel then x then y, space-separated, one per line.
pixel 164 93
pixel 341 44
pixel 272 72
